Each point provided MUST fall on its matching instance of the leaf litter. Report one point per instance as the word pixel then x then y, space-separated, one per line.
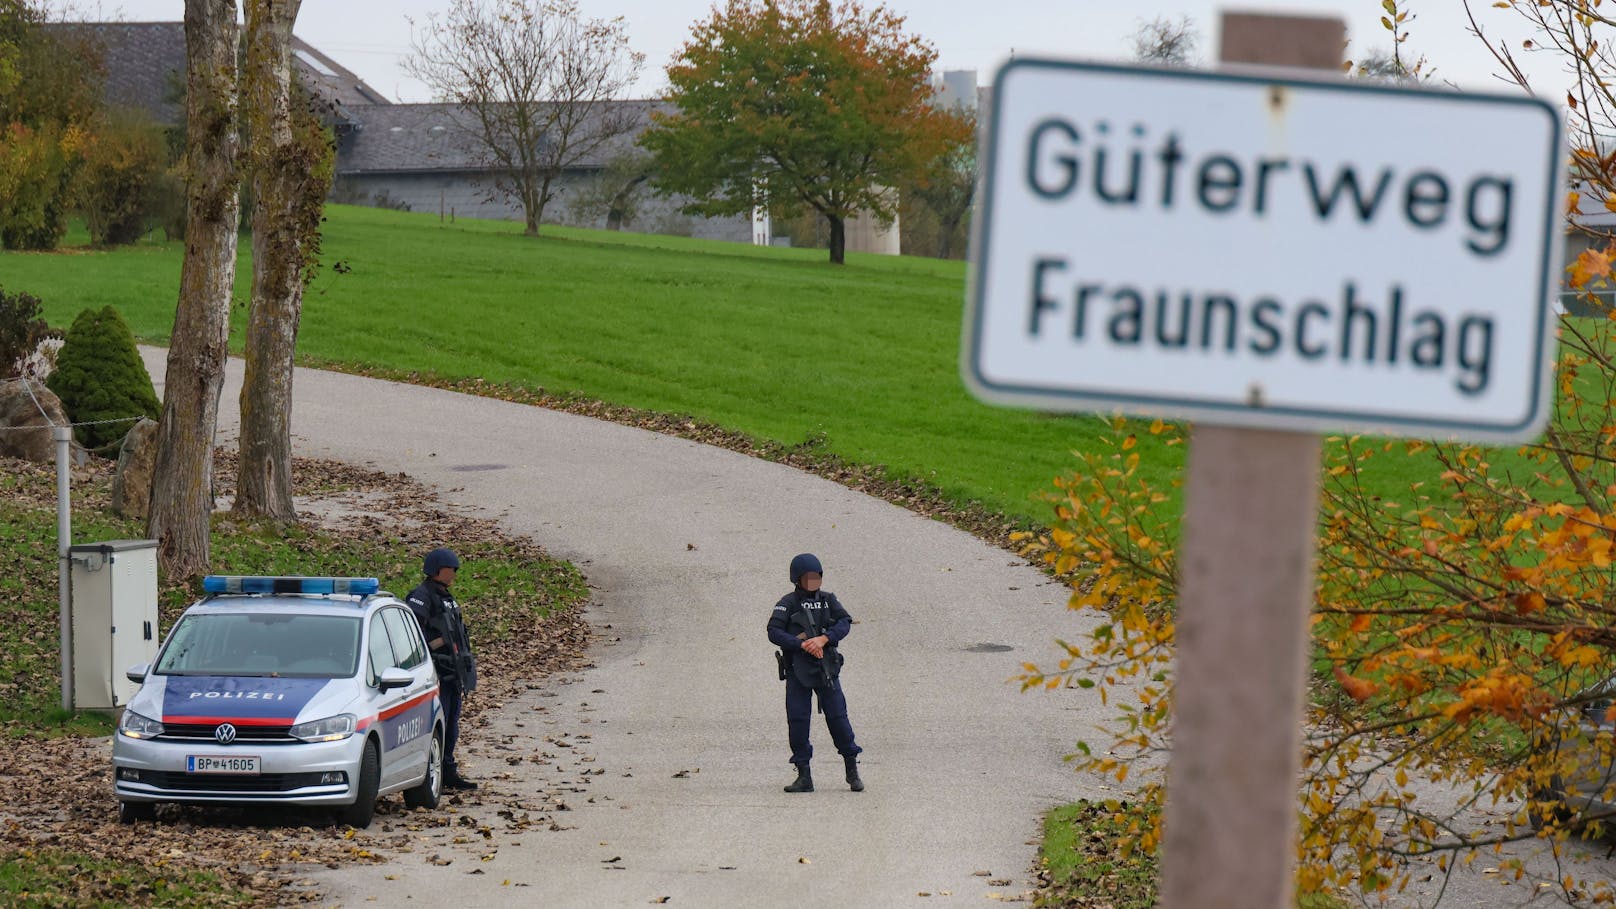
pixel 60 785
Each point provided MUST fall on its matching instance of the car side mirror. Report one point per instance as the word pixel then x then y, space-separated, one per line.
pixel 137 673
pixel 394 678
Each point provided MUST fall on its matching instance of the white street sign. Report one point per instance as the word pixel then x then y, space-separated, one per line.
pixel 1253 250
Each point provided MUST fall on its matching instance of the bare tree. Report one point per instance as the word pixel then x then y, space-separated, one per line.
pixel 182 485
pixel 535 82
pixel 1166 42
pixel 289 163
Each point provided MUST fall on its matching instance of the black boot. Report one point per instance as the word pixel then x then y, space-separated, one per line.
pixel 853 781
pixel 804 781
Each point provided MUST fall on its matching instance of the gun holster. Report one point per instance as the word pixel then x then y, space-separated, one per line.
pixel 781 663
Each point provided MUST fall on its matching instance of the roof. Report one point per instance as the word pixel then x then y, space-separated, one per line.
pixel 145 63
pixel 145 68
pixel 439 138
pixel 289 604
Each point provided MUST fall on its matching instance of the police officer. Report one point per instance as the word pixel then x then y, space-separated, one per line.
pixel 806 625
pixel 444 628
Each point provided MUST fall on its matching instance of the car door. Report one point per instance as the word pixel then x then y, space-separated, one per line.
pixel 411 726
pixel 385 706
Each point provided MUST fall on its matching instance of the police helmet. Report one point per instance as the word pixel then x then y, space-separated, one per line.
pixel 439 559
pixel 803 564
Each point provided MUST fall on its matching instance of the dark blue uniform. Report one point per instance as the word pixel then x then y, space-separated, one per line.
pixel 439 615
pixel 798 616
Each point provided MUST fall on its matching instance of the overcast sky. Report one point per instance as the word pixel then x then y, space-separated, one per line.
pixel 371 37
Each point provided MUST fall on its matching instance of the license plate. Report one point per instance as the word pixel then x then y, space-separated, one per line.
pixel 207 763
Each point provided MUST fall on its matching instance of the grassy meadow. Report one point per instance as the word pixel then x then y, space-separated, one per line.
pixel 859 361
pixel 774 343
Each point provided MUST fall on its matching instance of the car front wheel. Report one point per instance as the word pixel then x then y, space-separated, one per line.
pixel 364 807
pixel 426 794
pixel 131 812
pixel 1547 807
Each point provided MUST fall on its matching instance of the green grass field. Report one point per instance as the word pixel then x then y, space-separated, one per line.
pixel 773 343
pixel 860 361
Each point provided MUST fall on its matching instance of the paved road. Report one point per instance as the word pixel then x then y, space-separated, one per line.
pixel 670 752
pixel 686 547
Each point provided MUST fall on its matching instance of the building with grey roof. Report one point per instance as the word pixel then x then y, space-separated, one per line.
pixel 419 157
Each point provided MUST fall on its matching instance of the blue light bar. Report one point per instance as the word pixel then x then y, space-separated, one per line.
pixel 218 583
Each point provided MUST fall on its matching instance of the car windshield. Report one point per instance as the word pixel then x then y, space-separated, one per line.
pixel 289 645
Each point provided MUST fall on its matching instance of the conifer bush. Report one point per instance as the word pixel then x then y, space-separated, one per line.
pixel 99 376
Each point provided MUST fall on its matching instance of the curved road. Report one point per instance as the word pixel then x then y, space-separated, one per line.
pixel 686 547
pixel 669 752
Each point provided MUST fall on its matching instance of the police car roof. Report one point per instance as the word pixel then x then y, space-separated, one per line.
pixel 288 594
pixel 253 583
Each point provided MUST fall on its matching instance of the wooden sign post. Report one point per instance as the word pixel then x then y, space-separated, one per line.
pixel 1246 589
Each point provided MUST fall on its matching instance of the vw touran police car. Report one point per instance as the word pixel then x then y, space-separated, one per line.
pixel 1583 749
pixel 292 691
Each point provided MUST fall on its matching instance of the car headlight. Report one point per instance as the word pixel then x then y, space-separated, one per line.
pixel 139 727
pixel 331 729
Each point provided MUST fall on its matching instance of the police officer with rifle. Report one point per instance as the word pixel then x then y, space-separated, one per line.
pixel 806 625
pixel 444 628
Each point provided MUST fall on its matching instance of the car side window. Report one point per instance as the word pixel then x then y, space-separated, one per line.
pixel 381 650
pixel 408 650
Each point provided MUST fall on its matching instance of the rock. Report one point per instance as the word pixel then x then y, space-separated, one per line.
pixel 25 432
pixel 137 459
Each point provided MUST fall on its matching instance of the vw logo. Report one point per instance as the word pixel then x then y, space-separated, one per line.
pixel 226 733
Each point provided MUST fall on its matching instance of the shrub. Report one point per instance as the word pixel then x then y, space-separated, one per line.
pixel 99 376
pixel 118 185
pixel 35 169
pixel 21 330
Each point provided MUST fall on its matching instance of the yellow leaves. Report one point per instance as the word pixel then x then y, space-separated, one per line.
pixel 1498 693
pixel 1356 688
pixel 1361 622
pixel 1530 603
pixel 1590 265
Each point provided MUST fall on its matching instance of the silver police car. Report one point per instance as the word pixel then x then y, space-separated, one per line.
pixel 1584 753
pixel 284 690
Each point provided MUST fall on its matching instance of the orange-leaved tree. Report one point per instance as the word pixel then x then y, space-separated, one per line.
pixel 798 105
pixel 1465 609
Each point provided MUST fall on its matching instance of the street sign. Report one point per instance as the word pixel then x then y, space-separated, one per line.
pixel 1266 250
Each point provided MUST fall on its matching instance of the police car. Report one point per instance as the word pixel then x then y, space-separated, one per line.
pixel 292 691
pixel 1583 752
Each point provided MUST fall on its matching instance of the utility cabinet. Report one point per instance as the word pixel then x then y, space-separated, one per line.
pixel 114 590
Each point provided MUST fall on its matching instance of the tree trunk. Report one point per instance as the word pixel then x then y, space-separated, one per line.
pixel 838 239
pixel 531 210
pixel 619 205
pixel 280 178
pixel 182 485
pixel 945 239
pixel 535 214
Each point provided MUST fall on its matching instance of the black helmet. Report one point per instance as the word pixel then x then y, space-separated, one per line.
pixel 439 559
pixel 803 564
